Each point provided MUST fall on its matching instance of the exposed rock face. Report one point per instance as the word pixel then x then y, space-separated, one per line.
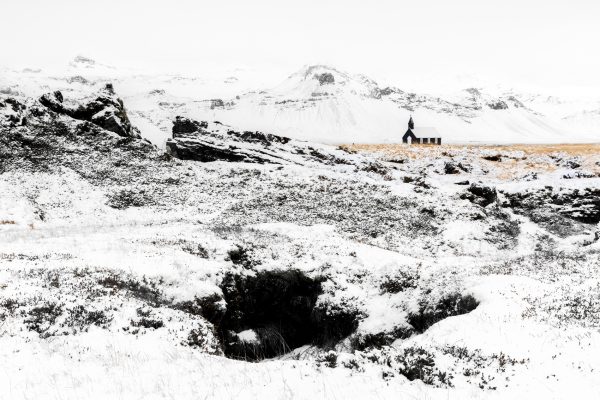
pixel 451 168
pixel 204 152
pixel 493 157
pixel 46 135
pixel 186 125
pixel 192 141
pixel 13 112
pixel 498 105
pixel 265 139
pixel 106 110
pixel 326 78
pixel 216 103
pixel 579 205
pixel 480 194
pixel 204 142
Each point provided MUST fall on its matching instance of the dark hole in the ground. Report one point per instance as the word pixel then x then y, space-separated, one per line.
pixel 279 309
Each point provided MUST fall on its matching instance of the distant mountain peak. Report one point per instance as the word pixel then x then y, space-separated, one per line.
pixel 324 74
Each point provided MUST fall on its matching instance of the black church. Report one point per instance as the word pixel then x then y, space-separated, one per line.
pixel 421 135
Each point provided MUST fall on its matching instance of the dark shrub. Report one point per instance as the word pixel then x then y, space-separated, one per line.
pixel 147 323
pixel 448 306
pixel 81 318
pixel 126 198
pixel 145 291
pixel 239 256
pixel 381 339
pixel 418 363
pixel 41 318
pixel 210 307
pixel 398 282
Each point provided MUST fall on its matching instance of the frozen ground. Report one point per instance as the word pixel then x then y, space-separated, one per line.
pixel 251 266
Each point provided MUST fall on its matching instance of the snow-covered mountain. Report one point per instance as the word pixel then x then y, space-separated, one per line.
pixel 323 104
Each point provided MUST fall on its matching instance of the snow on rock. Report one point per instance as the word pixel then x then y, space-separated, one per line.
pixel 248 336
pixel 201 141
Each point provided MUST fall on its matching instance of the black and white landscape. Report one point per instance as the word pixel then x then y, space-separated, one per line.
pixel 169 234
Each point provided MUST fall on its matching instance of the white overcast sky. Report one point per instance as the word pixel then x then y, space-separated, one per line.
pixel 549 43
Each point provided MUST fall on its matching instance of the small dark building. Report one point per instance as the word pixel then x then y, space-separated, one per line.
pixel 421 135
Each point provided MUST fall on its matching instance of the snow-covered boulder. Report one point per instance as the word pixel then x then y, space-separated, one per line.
pixel 206 142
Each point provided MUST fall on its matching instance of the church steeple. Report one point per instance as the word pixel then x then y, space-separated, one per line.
pixel 411 124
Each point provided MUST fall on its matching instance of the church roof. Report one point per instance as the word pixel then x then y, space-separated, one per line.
pixel 425 132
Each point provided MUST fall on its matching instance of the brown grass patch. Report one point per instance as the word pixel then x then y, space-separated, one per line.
pixel 7 222
pixel 516 159
pixel 414 151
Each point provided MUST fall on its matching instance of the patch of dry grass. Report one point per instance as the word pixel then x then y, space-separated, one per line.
pixel 417 151
pixel 514 159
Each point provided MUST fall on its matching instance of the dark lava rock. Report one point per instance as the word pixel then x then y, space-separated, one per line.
pixel 194 140
pixel 15 104
pixel 16 113
pixel 579 205
pixel 53 101
pixel 578 175
pixel 389 90
pixel 206 142
pixel 480 194
pixel 498 105
pixel 326 78
pixel 186 125
pixel 450 168
pixel 494 157
pixel 572 164
pixel 106 110
pixel 265 138
pixel 216 103
pixel 207 152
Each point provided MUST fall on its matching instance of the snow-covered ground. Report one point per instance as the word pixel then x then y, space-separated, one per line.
pixel 305 271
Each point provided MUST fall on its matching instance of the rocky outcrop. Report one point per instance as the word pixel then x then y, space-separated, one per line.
pixel 581 205
pixel 451 168
pixel 12 112
pixel 183 125
pixel 105 110
pixel 480 194
pixel 498 105
pixel 193 141
pixel 196 150
pixel 326 78
pixel 206 142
